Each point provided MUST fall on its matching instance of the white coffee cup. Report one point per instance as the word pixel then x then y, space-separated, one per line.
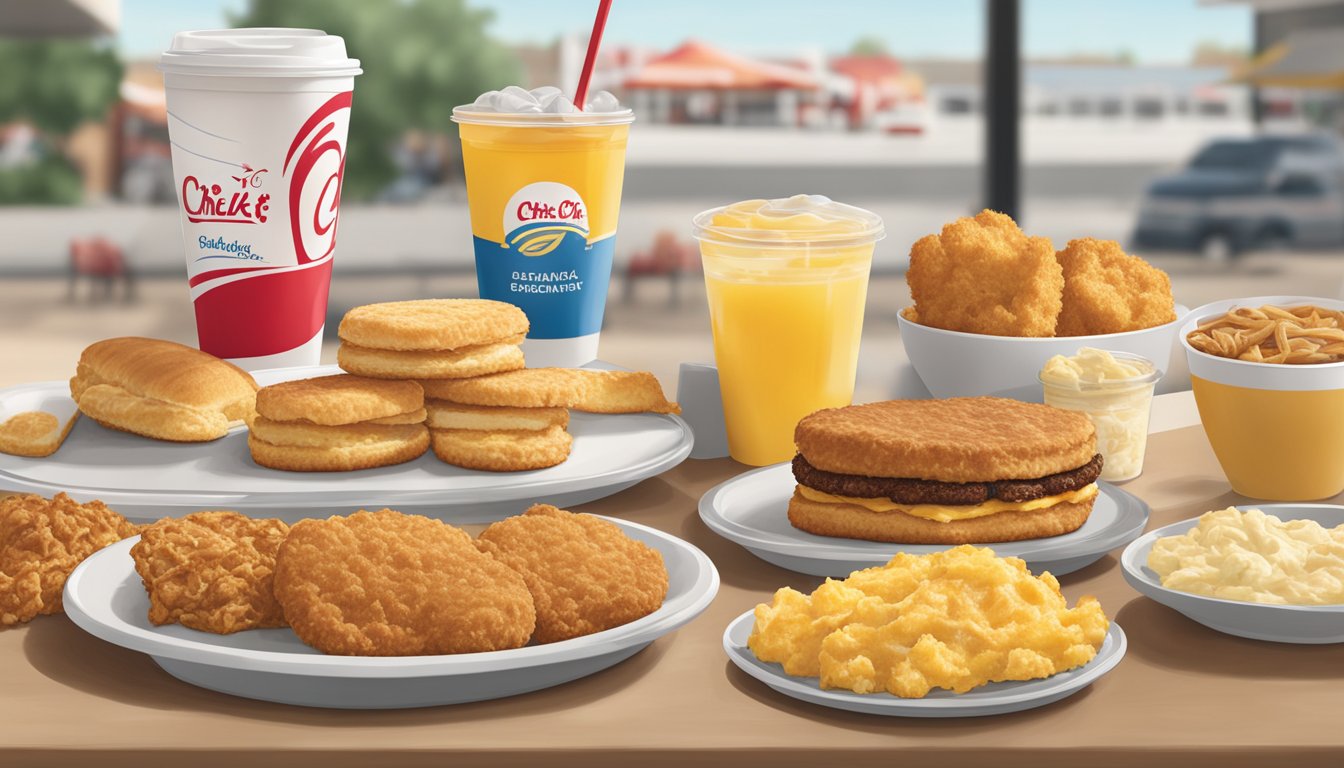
pixel 258 120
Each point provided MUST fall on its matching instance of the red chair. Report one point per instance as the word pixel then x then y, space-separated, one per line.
pixel 668 258
pixel 101 262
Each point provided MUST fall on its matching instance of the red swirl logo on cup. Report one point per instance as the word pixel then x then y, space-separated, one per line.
pixel 318 160
pixel 253 311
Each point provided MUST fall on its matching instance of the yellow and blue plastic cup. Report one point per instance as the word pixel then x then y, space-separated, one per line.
pixel 544 192
pixel 1277 430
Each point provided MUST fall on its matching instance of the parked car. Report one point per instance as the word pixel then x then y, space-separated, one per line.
pixel 1246 194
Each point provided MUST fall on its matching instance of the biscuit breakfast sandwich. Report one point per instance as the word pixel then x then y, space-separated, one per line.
pixel 338 423
pixel 955 471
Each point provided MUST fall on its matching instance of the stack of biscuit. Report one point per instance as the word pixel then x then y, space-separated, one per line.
pixel 337 423
pixel 432 339
pixel 517 420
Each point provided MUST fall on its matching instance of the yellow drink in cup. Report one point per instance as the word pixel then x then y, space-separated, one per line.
pixel 786 281
pixel 544 191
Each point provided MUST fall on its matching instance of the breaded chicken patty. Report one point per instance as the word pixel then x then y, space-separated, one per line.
pixel 983 275
pixel 584 573
pixel 211 571
pixel 41 542
pixel 390 584
pixel 1108 291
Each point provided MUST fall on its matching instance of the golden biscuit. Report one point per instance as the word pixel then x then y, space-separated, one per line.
pixel 576 388
pixel 339 399
pixel 339 457
pixel 983 275
pixel 502 451
pixel 584 573
pixel 431 364
pixel 854 522
pixel 432 324
pixel 41 542
pixel 211 571
pixel 445 415
pixel 1108 291
pixel 304 434
pixel 34 433
pixel 388 584
pixel 160 389
pixel 410 417
pixel 958 440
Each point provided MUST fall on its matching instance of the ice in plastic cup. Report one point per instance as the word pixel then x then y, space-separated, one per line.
pixel 786 281
pixel 1115 391
pixel 544 191
pixel 258 119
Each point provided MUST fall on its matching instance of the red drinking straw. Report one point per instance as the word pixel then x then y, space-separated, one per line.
pixel 594 40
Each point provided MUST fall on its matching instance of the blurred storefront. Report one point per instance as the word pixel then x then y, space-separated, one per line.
pixel 1298 67
pixel 699 83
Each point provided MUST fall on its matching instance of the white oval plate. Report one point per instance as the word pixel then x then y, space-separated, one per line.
pixel 147 479
pixel 752 510
pixel 105 597
pixel 990 699
pixel 1305 624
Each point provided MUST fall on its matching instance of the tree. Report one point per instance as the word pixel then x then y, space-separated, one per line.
pixel 420 59
pixel 56 84
pixel 869 45
pixel 53 85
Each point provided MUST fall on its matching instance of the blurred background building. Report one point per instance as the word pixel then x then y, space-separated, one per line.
pixel 1203 134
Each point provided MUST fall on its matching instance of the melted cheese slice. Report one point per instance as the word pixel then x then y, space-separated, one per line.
pixel 944 513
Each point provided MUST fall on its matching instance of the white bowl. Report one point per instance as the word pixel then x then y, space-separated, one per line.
pixel 1308 624
pixel 957 364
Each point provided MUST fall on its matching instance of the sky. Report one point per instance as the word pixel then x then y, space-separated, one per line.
pixel 1153 31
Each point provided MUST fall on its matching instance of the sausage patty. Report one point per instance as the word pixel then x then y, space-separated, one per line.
pixel 911 491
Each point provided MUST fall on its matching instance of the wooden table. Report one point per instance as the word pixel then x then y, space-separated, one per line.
pixel 1184 695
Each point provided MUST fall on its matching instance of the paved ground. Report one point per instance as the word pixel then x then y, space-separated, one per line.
pixel 41 335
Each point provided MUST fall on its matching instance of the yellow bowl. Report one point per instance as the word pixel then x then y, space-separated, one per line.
pixel 1277 430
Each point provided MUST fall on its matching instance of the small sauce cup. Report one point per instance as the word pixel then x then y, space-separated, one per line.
pixel 1115 391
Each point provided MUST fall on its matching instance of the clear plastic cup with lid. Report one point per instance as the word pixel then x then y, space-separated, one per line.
pixel 1115 390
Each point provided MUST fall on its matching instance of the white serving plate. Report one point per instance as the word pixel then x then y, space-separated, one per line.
pixel 990 699
pixel 1304 624
pixel 104 596
pixel 751 510
pixel 147 479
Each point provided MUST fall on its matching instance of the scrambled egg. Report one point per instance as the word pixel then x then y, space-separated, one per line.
pixel 956 619
pixel 1254 557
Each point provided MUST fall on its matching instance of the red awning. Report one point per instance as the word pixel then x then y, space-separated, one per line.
pixel 697 65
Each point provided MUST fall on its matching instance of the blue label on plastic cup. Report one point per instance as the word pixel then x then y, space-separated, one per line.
pixel 546 266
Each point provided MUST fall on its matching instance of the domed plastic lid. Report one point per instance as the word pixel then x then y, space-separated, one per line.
pixel 789 222
pixel 258 52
